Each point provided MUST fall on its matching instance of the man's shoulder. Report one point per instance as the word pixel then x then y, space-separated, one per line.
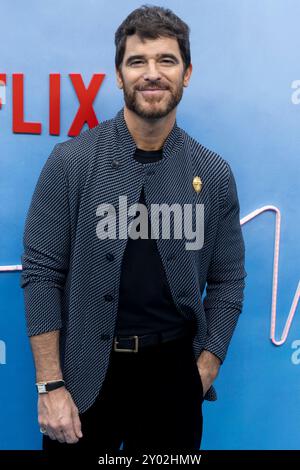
pixel 205 158
pixel 85 143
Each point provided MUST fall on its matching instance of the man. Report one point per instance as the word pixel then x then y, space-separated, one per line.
pixel 124 348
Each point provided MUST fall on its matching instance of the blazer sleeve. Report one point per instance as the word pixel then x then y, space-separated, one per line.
pixel 46 242
pixel 226 275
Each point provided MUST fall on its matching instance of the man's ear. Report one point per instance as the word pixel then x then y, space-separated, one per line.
pixel 187 75
pixel 119 79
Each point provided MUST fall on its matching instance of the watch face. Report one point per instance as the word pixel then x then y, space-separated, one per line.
pixel 41 388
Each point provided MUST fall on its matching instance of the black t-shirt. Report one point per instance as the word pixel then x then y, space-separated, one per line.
pixel 145 301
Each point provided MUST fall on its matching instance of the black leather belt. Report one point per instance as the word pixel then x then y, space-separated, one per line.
pixel 135 343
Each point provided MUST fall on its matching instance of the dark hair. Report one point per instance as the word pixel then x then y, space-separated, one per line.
pixel 152 22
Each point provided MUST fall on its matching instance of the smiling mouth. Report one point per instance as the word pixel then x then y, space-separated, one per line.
pixel 152 91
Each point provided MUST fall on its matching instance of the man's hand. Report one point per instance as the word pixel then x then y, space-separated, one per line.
pixel 58 416
pixel 208 366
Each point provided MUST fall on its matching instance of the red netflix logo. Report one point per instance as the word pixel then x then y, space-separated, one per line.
pixel 85 112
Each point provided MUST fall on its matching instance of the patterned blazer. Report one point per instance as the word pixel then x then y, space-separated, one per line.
pixel 71 285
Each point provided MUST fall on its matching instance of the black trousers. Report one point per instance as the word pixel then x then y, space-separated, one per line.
pixel 150 401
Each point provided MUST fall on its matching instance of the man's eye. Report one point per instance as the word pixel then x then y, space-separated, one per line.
pixel 136 62
pixel 168 61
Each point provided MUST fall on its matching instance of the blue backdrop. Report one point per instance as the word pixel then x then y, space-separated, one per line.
pixel 243 103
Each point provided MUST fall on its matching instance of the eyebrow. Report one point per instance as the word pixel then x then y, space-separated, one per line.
pixel 159 56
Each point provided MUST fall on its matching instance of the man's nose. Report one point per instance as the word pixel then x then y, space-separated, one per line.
pixel 152 72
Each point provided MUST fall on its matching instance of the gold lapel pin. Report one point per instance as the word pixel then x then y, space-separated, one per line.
pixel 197 184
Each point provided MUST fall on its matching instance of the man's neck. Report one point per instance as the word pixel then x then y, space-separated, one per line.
pixel 149 134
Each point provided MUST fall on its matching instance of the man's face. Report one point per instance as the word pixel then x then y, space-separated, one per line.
pixel 152 76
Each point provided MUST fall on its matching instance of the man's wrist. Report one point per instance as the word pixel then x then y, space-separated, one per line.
pixel 209 362
pixel 49 376
pixel 46 387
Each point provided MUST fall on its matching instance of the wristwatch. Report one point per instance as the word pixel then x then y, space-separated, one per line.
pixel 45 387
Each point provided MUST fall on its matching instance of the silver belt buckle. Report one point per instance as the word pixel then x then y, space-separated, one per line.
pixel 134 349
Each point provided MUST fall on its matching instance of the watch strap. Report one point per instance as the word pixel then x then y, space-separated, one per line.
pixel 45 387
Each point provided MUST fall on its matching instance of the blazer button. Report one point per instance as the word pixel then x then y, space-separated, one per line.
pixel 150 172
pixel 115 163
pixel 110 256
pixel 171 257
pixel 108 298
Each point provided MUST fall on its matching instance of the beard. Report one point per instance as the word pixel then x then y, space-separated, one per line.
pixel 158 108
